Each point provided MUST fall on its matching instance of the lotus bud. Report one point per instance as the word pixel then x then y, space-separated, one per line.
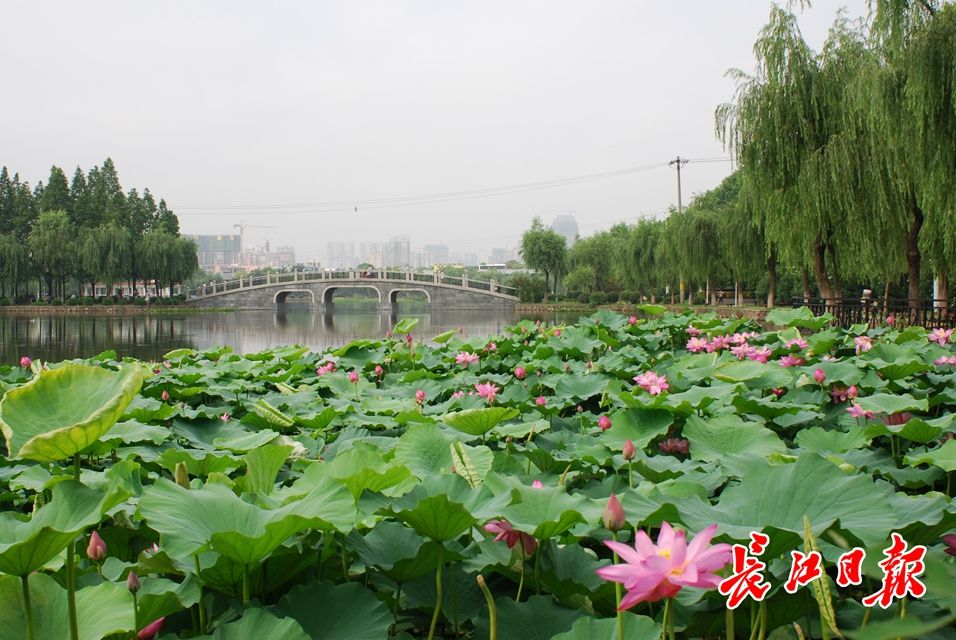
pixel 165 396
pixel 132 582
pixel 604 423
pixel 628 450
pixel 632 320
pixel 419 396
pixel 614 519
pixel 557 333
pixel 819 375
pixel 520 373
pixel 537 484
pixel 25 362
pixel 353 377
pixel 151 630
pixel 379 370
pixel 181 475
pixel 96 549
pixel 225 417
pixel 778 392
pixel 852 392
pixel 541 401
pixel 890 319
pixel 408 338
pixel 950 541
pixel 580 409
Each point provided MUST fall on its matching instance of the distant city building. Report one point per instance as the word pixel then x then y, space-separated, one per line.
pixel 566 225
pixel 218 252
pixel 370 252
pixel 398 252
pixel 341 255
pixel 500 255
pixel 263 258
pixel 469 259
pixel 438 252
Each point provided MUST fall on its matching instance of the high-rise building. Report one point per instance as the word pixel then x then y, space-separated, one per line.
pixel 218 252
pixel 438 252
pixel 398 252
pixel 566 225
pixel 341 255
pixel 500 255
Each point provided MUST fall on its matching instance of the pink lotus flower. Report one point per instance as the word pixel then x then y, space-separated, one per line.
pixel 419 396
pixel 353 377
pixel 863 344
pixel 225 417
pixel 328 367
pixel 503 531
pixel 778 392
pixel 541 401
pixel 520 373
pixel 741 350
pixel 851 391
pixel 696 345
pixel 760 355
pixel 465 358
pixel 632 320
pixel 890 319
pixel 164 395
pixel 408 339
pixel 379 370
pixel 679 446
pixel 857 411
pixel 693 331
pixel 491 346
pixel 943 360
pixel 790 361
pixel 941 336
pixel 819 375
pixel 96 549
pixel 628 450
pixel 896 419
pixel 739 338
pixel 796 342
pixel 457 394
pixel 557 333
pixel 488 391
pixel 717 343
pixel 950 541
pixel 652 383
pixel 653 572
pixel 537 484
pixel 604 423
pixel 25 362
pixel 614 518
pixel 149 631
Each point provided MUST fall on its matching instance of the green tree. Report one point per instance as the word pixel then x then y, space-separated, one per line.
pixel 56 193
pixel 544 250
pixel 51 247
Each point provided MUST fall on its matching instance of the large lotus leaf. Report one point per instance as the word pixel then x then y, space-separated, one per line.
pixel 336 612
pixel 101 611
pixel 901 628
pixel 160 597
pixel 844 372
pixel 63 411
pixel 800 317
pixel 477 422
pixel 361 467
pixel 438 518
pixel 780 496
pixel 604 628
pixel 199 463
pixel 756 375
pixel 259 623
pixel 424 450
pixel 549 511
pixel 640 426
pixel 538 618
pixel 725 435
pixel 443 507
pixel 914 429
pixel 262 467
pixel 889 403
pixel 943 457
pixel 396 551
pixel 26 544
pixel 822 441
pixel 581 387
pixel 191 521
pixel 894 361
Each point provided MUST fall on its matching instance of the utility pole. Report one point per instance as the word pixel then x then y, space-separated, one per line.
pixel 680 209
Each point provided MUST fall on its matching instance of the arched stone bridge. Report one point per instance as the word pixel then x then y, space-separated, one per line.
pixel 318 288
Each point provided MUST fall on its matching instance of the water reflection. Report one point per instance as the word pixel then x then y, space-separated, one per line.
pixel 147 337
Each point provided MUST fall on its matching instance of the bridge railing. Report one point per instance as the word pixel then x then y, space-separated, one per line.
pixel 874 311
pixel 211 288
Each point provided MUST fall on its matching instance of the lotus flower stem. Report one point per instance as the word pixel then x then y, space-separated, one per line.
pixel 431 627
pixel 492 612
pixel 245 585
pixel 71 587
pixel 202 610
pixel 537 575
pixel 136 626
pixel 24 581
pixel 729 621
pixel 521 572
pixel 617 597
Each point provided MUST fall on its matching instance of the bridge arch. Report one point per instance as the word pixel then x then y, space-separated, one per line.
pixel 280 296
pixel 393 294
pixel 328 292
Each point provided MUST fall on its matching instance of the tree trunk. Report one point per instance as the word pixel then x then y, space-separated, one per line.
pixel 820 271
pixel 913 255
pixel 805 281
pixel 772 272
pixel 837 285
pixel 886 297
pixel 942 290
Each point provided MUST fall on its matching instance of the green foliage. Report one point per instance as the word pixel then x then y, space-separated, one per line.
pixel 544 250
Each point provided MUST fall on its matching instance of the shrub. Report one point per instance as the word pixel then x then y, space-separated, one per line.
pixel 530 288
pixel 598 297
pixel 612 297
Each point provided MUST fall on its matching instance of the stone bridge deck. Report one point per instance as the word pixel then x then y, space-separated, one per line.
pixel 319 287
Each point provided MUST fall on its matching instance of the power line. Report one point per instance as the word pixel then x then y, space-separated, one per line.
pixel 350 206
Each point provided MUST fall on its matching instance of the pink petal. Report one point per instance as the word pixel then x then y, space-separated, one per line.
pixel 627 553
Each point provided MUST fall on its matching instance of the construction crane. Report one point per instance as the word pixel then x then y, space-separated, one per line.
pixel 242 232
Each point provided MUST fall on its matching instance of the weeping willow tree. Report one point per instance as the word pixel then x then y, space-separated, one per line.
pixel 14 265
pixel 636 263
pixel 690 246
pixel 848 156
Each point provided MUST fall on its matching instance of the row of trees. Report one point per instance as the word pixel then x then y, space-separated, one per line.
pixel 846 173
pixel 65 233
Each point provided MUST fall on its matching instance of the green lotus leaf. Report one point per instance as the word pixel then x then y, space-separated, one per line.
pixel 588 628
pixel 823 441
pixel 914 429
pixel 26 544
pixel 538 618
pixel 581 387
pixel 260 623
pixel 63 411
pixel 901 628
pixel 262 467
pixel 728 434
pixel 799 317
pixel 272 415
pixel 101 611
pixel 549 511
pixel 335 612
pixel 443 507
pixel 640 426
pixel 444 337
pixel 396 550
pixel 477 422
pixel 191 521
pixel 943 457
pixel 812 486
pixel 889 403
pixel 438 518
pixel 651 309
pixel 405 325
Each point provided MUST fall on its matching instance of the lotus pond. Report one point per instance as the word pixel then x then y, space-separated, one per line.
pixel 446 487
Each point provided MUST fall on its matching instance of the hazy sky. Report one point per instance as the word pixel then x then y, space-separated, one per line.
pixel 268 111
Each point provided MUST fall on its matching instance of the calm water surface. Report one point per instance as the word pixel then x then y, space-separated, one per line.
pixel 148 337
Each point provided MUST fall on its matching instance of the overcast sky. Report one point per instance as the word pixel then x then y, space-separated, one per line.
pixel 267 111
